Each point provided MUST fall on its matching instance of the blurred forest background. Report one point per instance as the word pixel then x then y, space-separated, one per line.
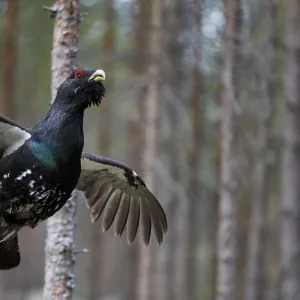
pixel 203 100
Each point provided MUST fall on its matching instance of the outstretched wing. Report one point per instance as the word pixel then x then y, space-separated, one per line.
pixel 115 190
pixel 12 136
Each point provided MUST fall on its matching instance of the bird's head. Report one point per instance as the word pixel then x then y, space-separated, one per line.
pixel 83 88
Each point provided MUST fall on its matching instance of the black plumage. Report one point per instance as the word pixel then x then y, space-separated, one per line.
pixel 41 166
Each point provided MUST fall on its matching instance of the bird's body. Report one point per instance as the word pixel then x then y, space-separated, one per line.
pixel 39 177
pixel 31 190
pixel 40 167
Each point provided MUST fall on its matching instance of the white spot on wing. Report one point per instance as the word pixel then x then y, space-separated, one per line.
pixel 31 183
pixel 23 174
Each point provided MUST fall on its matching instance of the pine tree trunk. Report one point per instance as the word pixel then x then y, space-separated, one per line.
pixel 255 282
pixel 150 142
pixel 108 47
pixel 187 216
pixel 172 71
pixel 8 67
pixel 227 232
pixel 60 242
pixel 290 205
pixel 135 136
pixel 9 58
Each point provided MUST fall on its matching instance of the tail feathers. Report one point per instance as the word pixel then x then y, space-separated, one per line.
pixel 7 233
pixel 9 254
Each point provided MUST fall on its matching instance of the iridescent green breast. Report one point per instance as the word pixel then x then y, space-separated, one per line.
pixel 45 151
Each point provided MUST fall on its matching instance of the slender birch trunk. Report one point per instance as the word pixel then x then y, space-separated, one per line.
pixel 290 205
pixel 60 242
pixel 227 232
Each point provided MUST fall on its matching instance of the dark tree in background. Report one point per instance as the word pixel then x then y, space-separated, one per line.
pixel 290 206
pixel 9 64
pixel 60 242
pixel 9 58
pixel 255 279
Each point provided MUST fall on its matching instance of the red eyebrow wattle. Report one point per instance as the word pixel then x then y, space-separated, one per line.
pixel 79 72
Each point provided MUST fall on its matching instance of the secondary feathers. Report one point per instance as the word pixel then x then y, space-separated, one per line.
pixel 115 190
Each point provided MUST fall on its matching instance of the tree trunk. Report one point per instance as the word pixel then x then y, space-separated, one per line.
pixel 290 206
pixel 135 136
pixel 108 48
pixel 150 142
pixel 172 71
pixel 60 242
pixel 187 217
pixel 256 268
pixel 227 232
pixel 9 58
pixel 8 71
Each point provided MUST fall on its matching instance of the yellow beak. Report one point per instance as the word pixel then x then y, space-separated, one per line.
pixel 98 75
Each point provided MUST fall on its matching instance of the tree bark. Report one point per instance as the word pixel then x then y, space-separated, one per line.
pixel 108 47
pixel 227 232
pixel 135 136
pixel 255 282
pixel 9 58
pixel 172 77
pixel 8 71
pixel 290 205
pixel 60 242
pixel 187 217
pixel 150 142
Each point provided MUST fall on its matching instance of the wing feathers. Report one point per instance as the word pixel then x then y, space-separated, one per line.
pixel 122 214
pixel 157 224
pixel 115 190
pixel 133 220
pixel 145 220
pixel 111 209
pixel 100 204
pixel 12 136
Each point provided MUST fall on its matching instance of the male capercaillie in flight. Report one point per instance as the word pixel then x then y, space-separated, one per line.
pixel 41 166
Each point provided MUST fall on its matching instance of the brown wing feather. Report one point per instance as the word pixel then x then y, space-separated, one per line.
pixel 122 214
pixel 116 191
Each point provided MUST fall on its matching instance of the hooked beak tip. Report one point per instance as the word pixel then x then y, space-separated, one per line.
pixel 98 75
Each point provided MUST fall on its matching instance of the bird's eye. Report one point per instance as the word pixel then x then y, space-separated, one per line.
pixel 79 74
